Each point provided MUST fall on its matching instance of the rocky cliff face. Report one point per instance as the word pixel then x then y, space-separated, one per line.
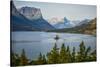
pixel 28 19
pixel 30 12
pixel 91 28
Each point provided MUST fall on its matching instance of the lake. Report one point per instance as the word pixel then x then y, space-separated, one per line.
pixel 36 42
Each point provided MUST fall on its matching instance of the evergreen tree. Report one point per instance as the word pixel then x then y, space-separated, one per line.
pixel 83 54
pixel 87 51
pixel 23 58
pixel 44 60
pixel 40 60
pixel 53 56
pixel 63 54
pixel 73 55
pixel 68 54
pixel 14 59
pixel 93 55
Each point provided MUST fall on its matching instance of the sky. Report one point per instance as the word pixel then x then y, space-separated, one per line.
pixel 59 10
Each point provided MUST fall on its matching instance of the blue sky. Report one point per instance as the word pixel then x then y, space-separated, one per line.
pixel 70 11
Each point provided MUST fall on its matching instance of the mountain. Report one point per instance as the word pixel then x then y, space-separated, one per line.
pixel 85 21
pixel 60 23
pixel 35 15
pixel 18 21
pixel 86 28
pixel 31 12
pixel 21 22
pixel 76 22
pixel 64 23
pixel 55 20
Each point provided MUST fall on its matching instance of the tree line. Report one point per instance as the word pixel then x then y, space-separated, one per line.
pixel 56 56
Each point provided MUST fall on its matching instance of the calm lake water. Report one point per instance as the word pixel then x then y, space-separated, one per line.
pixel 36 42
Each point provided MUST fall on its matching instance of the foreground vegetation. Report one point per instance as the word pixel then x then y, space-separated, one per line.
pixel 56 56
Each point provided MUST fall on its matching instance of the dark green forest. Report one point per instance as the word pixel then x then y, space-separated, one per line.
pixel 56 56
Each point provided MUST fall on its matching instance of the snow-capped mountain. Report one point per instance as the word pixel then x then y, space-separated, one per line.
pixel 60 23
pixel 55 20
pixel 64 24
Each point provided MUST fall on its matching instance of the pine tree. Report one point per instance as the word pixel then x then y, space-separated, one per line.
pixel 81 53
pixel 40 60
pixel 93 56
pixel 73 55
pixel 84 53
pixel 15 60
pixel 63 54
pixel 23 58
pixel 68 54
pixel 53 56
pixel 44 60
pixel 87 51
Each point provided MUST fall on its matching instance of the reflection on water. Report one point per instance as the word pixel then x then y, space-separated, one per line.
pixel 36 42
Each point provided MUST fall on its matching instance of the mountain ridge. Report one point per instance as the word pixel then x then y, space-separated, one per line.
pixel 31 13
pixel 89 28
pixel 21 23
pixel 66 23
